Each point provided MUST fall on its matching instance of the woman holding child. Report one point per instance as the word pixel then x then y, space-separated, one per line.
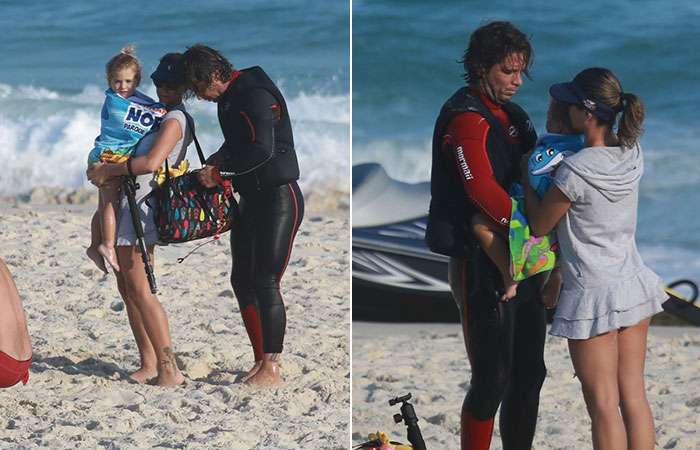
pixel 608 295
pixel 147 317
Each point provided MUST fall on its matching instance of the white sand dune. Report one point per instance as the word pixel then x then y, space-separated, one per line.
pixel 78 395
pixel 429 361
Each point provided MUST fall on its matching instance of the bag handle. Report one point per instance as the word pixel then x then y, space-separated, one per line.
pixel 196 142
pixel 190 124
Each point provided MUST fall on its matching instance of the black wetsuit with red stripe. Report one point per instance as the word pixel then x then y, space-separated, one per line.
pixel 258 158
pixel 476 152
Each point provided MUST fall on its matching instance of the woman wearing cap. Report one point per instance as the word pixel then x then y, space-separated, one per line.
pixel 147 317
pixel 608 294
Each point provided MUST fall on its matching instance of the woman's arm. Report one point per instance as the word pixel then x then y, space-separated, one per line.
pixel 170 133
pixel 543 215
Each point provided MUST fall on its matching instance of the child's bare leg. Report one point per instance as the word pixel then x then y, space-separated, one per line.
pixel 550 291
pixel 110 200
pixel 496 247
pixel 95 241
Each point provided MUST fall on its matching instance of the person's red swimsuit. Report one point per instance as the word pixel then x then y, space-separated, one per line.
pixel 13 371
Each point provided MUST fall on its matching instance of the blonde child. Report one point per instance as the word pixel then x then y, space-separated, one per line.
pixel 127 115
pixel 560 140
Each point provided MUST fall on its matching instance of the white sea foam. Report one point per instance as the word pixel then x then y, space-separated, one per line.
pixel 409 162
pixel 46 136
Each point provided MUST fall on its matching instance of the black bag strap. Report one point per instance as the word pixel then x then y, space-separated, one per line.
pixel 190 124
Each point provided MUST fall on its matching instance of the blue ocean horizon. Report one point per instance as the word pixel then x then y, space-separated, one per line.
pixel 405 65
pixel 52 80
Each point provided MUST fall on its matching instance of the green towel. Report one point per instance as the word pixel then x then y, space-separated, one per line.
pixel 529 254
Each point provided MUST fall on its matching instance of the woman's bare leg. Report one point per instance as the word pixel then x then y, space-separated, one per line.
pixel 149 360
pixel 496 247
pixel 595 362
pixel 109 194
pixel 153 317
pixel 639 422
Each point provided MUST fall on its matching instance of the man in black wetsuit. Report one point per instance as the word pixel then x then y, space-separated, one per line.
pixel 479 139
pixel 259 160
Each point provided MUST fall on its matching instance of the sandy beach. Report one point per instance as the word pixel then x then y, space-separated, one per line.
pixel 429 361
pixel 78 395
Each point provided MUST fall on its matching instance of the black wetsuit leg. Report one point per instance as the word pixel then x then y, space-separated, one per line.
pixel 261 244
pixel 242 235
pixel 505 344
pixel 520 404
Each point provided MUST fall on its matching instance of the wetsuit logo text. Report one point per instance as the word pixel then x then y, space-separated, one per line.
pixel 463 164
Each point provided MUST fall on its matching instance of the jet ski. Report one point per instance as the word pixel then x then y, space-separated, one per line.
pixel 394 275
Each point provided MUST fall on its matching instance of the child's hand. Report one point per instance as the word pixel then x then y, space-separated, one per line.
pixel 95 174
pixel 550 292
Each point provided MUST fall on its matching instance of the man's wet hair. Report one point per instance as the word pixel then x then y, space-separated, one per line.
pixel 198 65
pixel 491 44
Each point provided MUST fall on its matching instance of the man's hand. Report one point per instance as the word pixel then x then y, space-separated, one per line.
pixel 206 177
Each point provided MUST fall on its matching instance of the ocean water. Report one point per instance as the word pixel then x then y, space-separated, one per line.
pixel 405 55
pixel 52 78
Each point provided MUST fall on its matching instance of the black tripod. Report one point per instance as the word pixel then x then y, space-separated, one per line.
pixel 130 187
pixel 408 415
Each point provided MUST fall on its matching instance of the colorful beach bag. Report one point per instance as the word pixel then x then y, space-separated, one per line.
pixel 184 210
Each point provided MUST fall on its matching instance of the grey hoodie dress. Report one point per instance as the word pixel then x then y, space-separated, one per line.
pixel 606 285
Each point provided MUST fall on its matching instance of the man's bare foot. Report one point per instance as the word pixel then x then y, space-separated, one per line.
pixel 550 292
pixel 95 256
pixel 109 254
pixel 144 375
pixel 268 376
pixel 510 286
pixel 252 371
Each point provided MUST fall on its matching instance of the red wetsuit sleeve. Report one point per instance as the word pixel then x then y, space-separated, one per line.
pixel 466 134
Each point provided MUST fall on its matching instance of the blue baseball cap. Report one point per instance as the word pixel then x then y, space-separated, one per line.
pixel 165 70
pixel 570 92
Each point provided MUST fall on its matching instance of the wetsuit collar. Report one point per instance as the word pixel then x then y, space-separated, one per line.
pixel 489 103
pixel 236 74
pixel 229 83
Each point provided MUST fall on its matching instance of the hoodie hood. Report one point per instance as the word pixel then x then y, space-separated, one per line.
pixel 614 171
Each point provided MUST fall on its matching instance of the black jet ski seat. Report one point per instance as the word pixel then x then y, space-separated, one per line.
pixel 378 199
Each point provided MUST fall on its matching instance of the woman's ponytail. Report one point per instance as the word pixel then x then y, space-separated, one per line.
pixel 630 126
